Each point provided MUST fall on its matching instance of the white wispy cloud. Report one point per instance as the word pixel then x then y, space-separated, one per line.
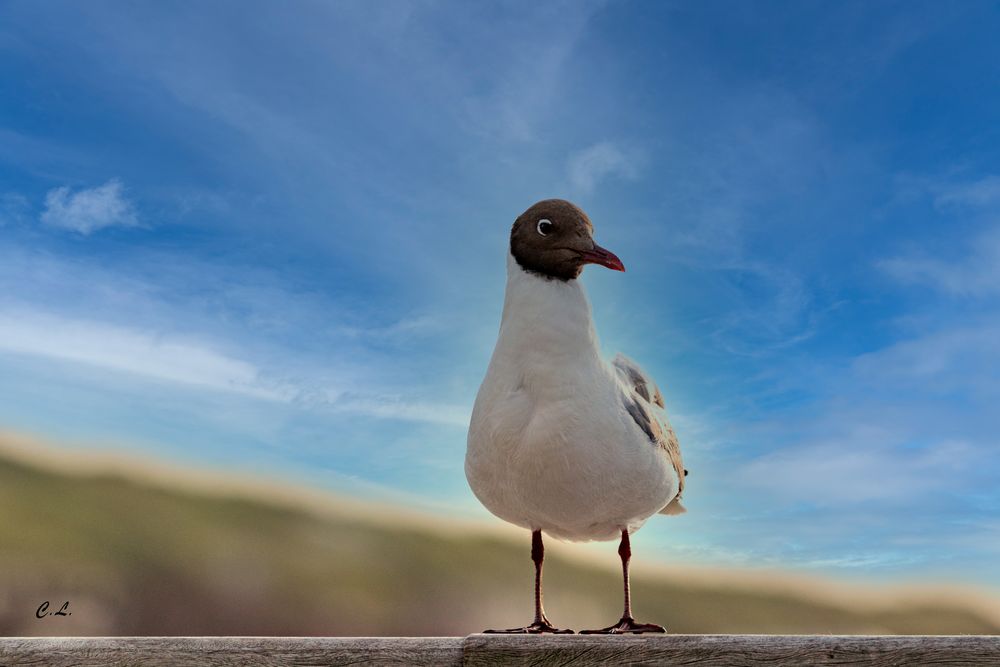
pixel 961 358
pixel 975 274
pixel 864 466
pixel 588 167
pixel 390 407
pixel 973 271
pixel 864 560
pixel 401 329
pixel 145 353
pixel 186 361
pixel 528 79
pixel 14 208
pixel 87 211
pixel 783 316
pixel 205 325
pixel 979 193
pixel 167 357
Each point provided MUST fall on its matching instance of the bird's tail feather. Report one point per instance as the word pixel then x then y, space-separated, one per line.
pixel 674 508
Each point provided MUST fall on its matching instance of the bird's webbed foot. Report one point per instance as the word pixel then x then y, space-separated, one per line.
pixel 538 627
pixel 626 625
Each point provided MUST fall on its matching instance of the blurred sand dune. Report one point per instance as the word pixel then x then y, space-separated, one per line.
pixel 141 548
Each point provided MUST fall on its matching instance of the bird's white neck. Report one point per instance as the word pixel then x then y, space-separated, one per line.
pixel 546 325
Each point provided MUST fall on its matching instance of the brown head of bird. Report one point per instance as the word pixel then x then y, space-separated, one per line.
pixel 555 239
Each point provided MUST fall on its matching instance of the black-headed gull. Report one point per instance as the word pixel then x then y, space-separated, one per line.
pixel 561 441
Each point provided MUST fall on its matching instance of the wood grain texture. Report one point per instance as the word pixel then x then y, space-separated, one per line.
pixel 229 651
pixel 771 650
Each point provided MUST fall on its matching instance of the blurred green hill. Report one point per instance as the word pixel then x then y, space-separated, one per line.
pixel 138 558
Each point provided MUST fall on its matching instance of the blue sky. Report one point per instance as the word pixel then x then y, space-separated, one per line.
pixel 272 238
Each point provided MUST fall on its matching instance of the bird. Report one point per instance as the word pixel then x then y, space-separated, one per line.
pixel 561 441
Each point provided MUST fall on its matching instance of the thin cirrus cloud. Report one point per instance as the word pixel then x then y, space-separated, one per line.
pixel 840 472
pixel 180 361
pixel 588 167
pixel 976 273
pixel 124 349
pixel 961 358
pixel 14 208
pixel 89 210
pixel 981 192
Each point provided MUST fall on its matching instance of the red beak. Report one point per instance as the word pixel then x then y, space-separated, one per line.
pixel 603 257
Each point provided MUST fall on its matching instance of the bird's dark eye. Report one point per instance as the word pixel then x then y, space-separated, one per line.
pixel 544 227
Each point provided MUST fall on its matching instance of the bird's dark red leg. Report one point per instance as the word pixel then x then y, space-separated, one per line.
pixel 540 624
pixel 627 624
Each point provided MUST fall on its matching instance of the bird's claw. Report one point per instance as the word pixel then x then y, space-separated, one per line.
pixel 538 627
pixel 626 625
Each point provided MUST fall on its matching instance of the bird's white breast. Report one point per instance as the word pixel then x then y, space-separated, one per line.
pixel 550 445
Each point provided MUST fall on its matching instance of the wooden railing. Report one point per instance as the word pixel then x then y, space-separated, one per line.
pixel 771 650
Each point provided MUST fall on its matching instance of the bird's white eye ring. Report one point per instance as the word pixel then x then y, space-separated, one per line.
pixel 544 227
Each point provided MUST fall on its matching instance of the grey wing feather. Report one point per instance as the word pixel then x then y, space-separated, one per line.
pixel 641 404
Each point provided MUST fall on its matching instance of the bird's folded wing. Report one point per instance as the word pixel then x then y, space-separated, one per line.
pixel 645 404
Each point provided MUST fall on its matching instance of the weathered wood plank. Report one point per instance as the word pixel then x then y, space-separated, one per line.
pixel 229 651
pixel 771 650
pixel 711 650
